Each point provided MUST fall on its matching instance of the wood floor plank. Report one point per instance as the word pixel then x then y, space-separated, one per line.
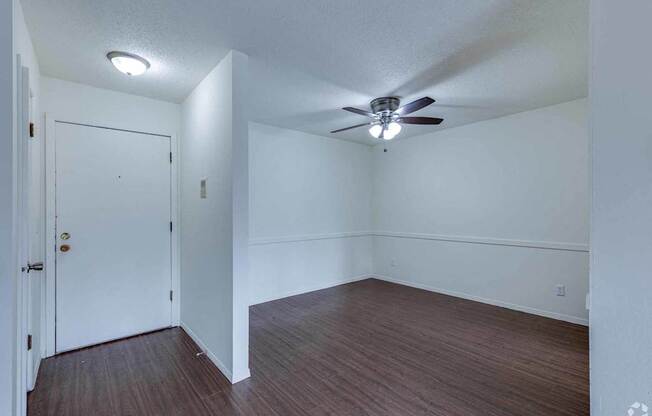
pixel 366 348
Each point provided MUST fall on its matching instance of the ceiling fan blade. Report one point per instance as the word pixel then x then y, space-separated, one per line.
pixel 414 106
pixel 358 111
pixel 352 127
pixel 420 120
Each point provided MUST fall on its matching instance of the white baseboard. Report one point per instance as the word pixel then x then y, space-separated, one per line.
pixel 520 308
pixel 239 377
pixel 312 289
pixel 35 375
pixel 219 364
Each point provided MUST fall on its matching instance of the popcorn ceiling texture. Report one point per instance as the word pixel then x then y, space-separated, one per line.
pixel 480 59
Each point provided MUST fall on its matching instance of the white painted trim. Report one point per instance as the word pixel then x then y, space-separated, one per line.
pixel 36 368
pixel 50 227
pixel 315 288
pixel 175 238
pixel 308 237
pixel 50 237
pixel 219 364
pixel 520 308
pixel 241 377
pixel 21 232
pixel 546 245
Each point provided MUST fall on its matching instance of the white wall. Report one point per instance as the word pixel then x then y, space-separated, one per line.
pixel 621 226
pixel 7 212
pixel 36 153
pixel 25 48
pixel 495 211
pixel 214 231
pixel 79 103
pixel 310 212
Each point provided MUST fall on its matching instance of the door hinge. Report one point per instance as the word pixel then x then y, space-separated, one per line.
pixel 29 342
pixel 170 226
pixel 170 157
pixel 171 295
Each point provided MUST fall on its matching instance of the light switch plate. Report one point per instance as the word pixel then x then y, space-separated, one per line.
pixel 202 188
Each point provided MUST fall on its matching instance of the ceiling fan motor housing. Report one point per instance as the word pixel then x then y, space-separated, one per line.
pixel 386 105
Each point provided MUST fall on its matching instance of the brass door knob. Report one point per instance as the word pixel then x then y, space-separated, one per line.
pixel 64 248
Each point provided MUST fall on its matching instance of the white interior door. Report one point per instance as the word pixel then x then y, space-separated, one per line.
pixel 113 213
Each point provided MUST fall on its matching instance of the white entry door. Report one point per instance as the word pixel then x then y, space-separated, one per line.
pixel 113 272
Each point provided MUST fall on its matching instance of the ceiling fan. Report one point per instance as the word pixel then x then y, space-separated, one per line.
pixel 388 116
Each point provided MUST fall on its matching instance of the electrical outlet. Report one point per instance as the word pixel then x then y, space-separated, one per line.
pixel 560 290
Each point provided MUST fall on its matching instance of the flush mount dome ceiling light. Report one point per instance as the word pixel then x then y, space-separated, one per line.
pixel 128 63
pixel 387 116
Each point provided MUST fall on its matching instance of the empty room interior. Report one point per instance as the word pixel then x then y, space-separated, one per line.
pixel 317 208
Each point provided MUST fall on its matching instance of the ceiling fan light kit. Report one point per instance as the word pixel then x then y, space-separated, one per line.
pixel 388 116
pixel 391 130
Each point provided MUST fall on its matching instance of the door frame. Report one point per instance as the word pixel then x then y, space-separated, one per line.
pixel 22 234
pixel 50 222
pixel 30 203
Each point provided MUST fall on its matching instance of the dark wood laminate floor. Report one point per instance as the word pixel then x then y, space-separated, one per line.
pixel 367 348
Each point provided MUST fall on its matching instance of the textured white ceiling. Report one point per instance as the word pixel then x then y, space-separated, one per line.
pixel 478 58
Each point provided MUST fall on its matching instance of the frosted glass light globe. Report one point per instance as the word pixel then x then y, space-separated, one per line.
pixel 375 130
pixel 127 63
pixel 392 130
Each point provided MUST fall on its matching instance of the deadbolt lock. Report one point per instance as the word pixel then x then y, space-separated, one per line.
pixel 65 236
pixel 64 248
